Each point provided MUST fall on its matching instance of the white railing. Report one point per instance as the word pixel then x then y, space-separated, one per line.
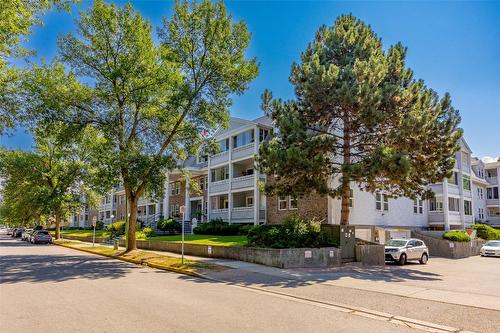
pixel 243 181
pixel 492 180
pixel 243 151
pixel 219 158
pixel 219 214
pixel 219 186
pixel 242 213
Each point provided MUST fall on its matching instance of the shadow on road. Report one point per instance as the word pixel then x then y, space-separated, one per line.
pixel 58 268
pixel 293 278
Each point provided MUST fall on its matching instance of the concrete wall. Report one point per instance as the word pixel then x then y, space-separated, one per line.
pixel 282 258
pixel 370 254
pixel 439 247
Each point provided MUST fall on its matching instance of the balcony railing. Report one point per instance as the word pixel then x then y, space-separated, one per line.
pixel 242 182
pixel 492 180
pixel 243 151
pixel 219 158
pixel 219 214
pixel 219 186
pixel 242 213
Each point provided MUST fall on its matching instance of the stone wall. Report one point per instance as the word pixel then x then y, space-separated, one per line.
pixel 312 205
pixel 370 254
pixel 282 258
pixel 439 247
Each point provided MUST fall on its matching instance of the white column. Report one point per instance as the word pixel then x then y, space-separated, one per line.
pixel 187 201
pixel 446 210
pixel 230 193
pixel 166 199
pixel 256 192
pixel 208 189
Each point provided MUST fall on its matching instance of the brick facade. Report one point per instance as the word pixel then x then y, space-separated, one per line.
pixel 312 205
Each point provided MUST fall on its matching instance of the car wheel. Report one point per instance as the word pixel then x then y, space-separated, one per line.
pixel 402 259
pixel 424 259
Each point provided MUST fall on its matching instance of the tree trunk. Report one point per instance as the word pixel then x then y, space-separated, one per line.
pixel 346 179
pixel 58 224
pixel 132 222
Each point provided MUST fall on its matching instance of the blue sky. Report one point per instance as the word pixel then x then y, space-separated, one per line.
pixel 453 46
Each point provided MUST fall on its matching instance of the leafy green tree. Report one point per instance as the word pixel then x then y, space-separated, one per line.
pixel 17 17
pixel 49 181
pixel 359 116
pixel 149 101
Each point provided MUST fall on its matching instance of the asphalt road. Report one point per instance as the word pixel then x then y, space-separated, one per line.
pixel 54 289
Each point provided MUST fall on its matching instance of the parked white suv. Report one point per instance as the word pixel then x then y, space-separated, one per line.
pixel 401 250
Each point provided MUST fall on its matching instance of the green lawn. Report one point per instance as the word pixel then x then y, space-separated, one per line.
pixel 192 239
pixel 205 239
pixel 86 233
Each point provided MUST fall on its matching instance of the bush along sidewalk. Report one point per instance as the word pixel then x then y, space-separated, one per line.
pixel 457 236
pixel 154 260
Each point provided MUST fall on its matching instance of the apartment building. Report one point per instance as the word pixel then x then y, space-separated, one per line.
pixel 227 188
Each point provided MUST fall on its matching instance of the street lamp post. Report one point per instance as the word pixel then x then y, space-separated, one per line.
pixel 183 212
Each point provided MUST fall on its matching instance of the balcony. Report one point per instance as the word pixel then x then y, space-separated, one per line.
pixel 219 214
pixel 242 182
pixel 219 186
pixel 492 180
pixel 219 158
pixel 243 151
pixel 492 202
pixel 242 214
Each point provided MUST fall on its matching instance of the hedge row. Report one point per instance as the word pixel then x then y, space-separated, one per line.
pixel 457 236
pixel 486 232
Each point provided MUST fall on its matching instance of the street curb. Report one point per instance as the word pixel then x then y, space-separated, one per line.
pixel 140 262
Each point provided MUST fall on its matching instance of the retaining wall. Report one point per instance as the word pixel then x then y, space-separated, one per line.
pixel 86 239
pixel 439 247
pixel 370 254
pixel 282 258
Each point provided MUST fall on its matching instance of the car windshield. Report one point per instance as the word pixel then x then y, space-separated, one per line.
pixel 396 242
pixel 43 232
pixel 493 243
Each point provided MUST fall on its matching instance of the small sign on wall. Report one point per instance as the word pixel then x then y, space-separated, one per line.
pixel 451 245
pixel 308 254
pixel 331 253
pixel 209 249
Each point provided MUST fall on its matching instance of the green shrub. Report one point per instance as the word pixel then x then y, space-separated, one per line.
pixel 245 229
pixel 169 225
pixel 117 228
pixel 148 232
pixel 99 225
pixel 457 236
pixel 486 232
pixel 217 227
pixel 295 232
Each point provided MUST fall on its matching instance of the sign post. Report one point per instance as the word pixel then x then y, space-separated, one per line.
pixel 183 212
pixel 94 222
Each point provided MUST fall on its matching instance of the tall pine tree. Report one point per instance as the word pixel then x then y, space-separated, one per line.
pixel 359 116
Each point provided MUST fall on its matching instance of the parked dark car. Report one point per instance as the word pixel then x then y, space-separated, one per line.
pixel 18 233
pixel 40 236
pixel 13 233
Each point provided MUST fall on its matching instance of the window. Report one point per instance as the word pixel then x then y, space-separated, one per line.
pixel 436 204
pixel 480 213
pixel 418 206
pixel 243 139
pixel 454 204
pixel 220 173
pixel 249 201
pixel 480 193
pixel 466 182
pixel 381 202
pixel 151 209
pixel 282 203
pixel 108 214
pixel 263 134
pixel 351 198
pixel 224 145
pixel 175 188
pixel 292 202
pixel 492 193
pixel 419 243
pixel 467 207
pixel 453 179
pixel 174 210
